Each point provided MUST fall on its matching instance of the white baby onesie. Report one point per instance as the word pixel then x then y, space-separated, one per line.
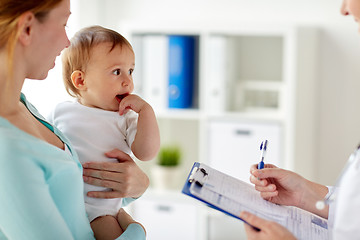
pixel 94 131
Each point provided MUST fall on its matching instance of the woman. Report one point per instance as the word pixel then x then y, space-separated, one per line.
pixel 287 188
pixel 41 182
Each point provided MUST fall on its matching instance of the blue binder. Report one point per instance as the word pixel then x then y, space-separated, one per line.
pixel 181 71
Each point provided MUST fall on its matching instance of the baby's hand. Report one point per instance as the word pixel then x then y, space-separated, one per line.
pixel 132 102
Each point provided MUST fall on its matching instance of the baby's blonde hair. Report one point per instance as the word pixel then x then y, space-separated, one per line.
pixel 77 55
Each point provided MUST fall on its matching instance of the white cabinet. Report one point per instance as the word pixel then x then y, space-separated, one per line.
pixel 168 215
pixel 252 83
pixel 234 146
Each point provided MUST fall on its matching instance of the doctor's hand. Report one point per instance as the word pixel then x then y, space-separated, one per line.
pixel 288 188
pixel 125 178
pixel 278 185
pixel 268 230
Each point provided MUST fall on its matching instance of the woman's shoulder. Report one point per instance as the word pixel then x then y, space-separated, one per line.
pixel 20 149
pixel 15 150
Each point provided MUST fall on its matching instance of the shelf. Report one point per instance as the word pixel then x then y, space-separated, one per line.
pixel 261 84
pixel 186 114
pixel 254 116
pixel 256 57
pixel 166 72
pixel 251 85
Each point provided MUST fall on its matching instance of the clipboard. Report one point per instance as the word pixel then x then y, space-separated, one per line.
pixel 232 196
pixel 196 181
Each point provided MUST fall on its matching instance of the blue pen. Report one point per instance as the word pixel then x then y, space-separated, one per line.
pixel 263 148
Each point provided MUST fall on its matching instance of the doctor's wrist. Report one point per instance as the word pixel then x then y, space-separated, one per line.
pixel 314 192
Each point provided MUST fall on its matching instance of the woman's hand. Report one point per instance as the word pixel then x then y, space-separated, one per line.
pixel 125 178
pixel 268 230
pixel 288 188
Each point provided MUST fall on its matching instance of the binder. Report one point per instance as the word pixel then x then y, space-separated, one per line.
pixel 216 90
pixel 232 196
pixel 181 71
pixel 154 72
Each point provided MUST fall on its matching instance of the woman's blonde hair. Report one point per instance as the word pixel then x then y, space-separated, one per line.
pixel 10 12
pixel 77 55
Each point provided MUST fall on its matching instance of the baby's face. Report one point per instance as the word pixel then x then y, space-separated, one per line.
pixel 352 7
pixel 108 76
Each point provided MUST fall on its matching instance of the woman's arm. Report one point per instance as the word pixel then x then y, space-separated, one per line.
pixel 27 205
pixel 125 178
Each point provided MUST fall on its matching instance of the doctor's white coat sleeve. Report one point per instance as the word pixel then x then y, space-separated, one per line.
pixel 347 209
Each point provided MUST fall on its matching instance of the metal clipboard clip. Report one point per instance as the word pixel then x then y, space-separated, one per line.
pixel 198 176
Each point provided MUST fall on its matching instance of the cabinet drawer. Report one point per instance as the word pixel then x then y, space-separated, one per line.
pixel 165 220
pixel 234 146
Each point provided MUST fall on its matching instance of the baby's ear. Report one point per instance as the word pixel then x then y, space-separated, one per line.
pixel 77 78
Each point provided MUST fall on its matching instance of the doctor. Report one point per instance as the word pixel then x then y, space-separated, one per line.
pixel 288 188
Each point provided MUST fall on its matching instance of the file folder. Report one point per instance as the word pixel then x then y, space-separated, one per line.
pixel 181 70
pixel 232 196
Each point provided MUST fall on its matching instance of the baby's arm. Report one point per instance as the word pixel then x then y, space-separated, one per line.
pixel 147 139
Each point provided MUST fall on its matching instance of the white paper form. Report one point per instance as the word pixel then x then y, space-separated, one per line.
pixel 233 196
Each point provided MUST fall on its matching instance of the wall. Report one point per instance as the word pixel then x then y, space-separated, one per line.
pixel 339 53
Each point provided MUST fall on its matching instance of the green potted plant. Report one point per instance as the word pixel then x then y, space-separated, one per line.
pixel 169 156
pixel 167 172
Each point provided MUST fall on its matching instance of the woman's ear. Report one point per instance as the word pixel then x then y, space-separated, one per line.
pixel 77 78
pixel 25 28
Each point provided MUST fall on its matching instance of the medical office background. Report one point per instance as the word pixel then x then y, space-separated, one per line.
pixel 284 70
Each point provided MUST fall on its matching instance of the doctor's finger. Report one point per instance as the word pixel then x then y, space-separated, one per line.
pixel 274 173
pixel 253 167
pixel 258 182
pixel 269 195
pixel 267 188
pixel 252 219
pixel 267 165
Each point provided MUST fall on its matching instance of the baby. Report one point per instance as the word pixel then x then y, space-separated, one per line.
pixel 97 71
